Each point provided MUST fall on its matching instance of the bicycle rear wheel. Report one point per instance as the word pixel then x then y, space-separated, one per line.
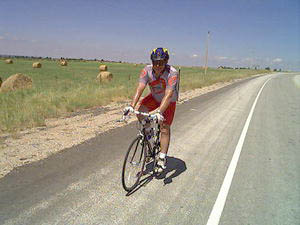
pixel 134 164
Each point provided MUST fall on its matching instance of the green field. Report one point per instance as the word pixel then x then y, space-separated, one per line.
pixel 58 90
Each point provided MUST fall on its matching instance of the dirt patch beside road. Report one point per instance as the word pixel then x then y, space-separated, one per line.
pixel 39 143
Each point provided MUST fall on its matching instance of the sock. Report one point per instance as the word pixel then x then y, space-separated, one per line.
pixel 162 155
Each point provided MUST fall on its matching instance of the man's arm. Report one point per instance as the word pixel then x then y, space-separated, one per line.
pixel 138 94
pixel 166 100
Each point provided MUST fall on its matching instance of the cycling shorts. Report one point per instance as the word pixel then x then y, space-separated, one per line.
pixel 151 104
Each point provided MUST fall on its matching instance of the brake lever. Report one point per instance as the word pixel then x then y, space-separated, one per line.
pixel 124 119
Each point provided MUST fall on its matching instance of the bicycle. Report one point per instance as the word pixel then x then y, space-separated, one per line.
pixel 141 153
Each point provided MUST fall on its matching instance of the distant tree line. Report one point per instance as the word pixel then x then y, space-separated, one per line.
pixel 275 70
pixel 243 68
pixel 231 68
pixel 61 58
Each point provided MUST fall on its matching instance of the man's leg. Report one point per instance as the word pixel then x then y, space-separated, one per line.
pixel 164 146
pixel 165 135
pixel 165 128
pixel 165 138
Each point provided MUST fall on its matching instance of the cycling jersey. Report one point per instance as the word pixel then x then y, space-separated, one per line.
pixel 158 86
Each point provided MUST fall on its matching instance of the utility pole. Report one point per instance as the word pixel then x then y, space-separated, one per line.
pixel 206 55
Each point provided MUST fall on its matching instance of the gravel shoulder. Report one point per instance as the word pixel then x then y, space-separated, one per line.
pixel 38 143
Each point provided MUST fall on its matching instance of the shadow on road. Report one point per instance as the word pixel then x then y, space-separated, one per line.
pixel 175 167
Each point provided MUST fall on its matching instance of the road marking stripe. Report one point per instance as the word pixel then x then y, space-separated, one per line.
pixel 217 210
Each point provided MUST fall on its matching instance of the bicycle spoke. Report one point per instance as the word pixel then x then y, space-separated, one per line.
pixel 134 152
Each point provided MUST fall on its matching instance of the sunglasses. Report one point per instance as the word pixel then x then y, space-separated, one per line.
pixel 159 63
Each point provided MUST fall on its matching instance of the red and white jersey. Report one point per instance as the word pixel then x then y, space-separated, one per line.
pixel 158 86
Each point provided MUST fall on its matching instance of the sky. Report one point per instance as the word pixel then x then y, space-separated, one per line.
pixel 243 33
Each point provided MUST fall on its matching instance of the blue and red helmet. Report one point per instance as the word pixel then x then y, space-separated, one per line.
pixel 159 54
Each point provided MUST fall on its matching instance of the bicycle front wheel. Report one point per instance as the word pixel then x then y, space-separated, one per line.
pixel 134 163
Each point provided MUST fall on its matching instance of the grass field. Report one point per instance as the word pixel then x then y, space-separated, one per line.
pixel 58 90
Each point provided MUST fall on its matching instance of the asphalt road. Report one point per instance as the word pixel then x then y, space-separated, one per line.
pixel 82 185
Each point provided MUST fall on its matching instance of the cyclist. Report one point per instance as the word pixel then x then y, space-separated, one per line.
pixel 162 80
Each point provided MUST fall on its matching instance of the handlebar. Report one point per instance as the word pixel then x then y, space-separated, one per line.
pixel 142 113
pixel 149 117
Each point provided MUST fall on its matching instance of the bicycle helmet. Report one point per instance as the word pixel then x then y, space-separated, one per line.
pixel 159 54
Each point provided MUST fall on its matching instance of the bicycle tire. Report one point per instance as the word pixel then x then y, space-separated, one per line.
pixel 133 148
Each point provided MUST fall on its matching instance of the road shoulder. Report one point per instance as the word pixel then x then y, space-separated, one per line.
pixel 38 143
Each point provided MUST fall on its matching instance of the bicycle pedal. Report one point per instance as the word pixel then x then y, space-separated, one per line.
pixel 148 159
pixel 158 170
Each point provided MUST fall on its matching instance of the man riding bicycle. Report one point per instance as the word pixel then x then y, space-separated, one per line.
pixel 162 80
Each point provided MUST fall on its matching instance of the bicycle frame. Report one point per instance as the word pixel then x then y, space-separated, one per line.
pixel 149 118
pixel 144 155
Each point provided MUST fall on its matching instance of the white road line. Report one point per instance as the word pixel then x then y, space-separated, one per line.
pixel 217 210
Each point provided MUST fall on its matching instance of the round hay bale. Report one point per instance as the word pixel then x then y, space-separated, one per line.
pixel 104 76
pixel 63 63
pixel 8 61
pixel 17 81
pixel 36 65
pixel 103 67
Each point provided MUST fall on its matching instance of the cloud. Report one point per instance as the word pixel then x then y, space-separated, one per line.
pixel 248 59
pixel 194 56
pixel 221 57
pixel 277 60
pixel 9 37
